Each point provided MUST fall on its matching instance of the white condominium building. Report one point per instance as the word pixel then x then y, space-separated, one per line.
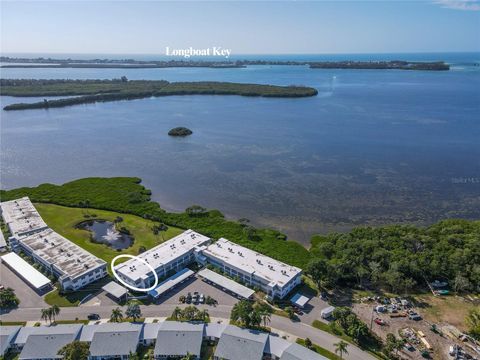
pixel 21 217
pixel 74 266
pixel 277 279
pixel 169 257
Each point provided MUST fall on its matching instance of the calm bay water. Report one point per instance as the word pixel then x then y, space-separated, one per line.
pixel 373 147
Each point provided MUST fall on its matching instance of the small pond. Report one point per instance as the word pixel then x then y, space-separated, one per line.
pixel 104 232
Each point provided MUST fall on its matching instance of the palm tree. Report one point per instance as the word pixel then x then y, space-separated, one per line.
pixel 133 311
pixel 55 311
pixel 49 314
pixel 44 315
pixel 188 357
pixel 341 348
pixel 177 313
pixel 116 315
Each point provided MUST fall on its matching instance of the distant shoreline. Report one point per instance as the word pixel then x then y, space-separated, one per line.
pixel 156 64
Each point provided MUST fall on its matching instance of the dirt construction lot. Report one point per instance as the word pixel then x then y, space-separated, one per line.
pixel 439 344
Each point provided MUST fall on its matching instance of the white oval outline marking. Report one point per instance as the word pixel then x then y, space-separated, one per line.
pixel 128 285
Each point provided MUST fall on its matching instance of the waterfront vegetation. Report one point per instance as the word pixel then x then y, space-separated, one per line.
pixel 399 257
pixel 138 64
pixel 91 91
pixel 180 131
pixel 128 196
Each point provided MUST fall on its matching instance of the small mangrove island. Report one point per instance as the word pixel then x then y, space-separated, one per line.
pixel 91 91
pixel 180 131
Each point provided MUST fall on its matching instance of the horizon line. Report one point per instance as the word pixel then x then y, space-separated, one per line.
pixel 249 54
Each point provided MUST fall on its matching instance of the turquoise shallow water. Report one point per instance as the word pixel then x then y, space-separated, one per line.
pixel 373 147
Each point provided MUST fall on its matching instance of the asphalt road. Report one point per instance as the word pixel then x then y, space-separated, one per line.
pixel 32 303
pixel 298 329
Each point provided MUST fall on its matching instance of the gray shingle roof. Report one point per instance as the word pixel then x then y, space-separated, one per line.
pixel 7 333
pixel 45 346
pixel 178 339
pixel 25 332
pixel 276 345
pixel 299 352
pixel 150 331
pixel 214 330
pixel 89 330
pixel 240 344
pixel 114 343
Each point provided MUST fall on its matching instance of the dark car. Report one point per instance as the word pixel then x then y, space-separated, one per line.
pixel 93 317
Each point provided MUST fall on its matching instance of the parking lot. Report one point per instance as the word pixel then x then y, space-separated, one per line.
pixel 27 296
pixel 196 284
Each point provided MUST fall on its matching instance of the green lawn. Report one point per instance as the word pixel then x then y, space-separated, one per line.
pixel 321 351
pixel 64 219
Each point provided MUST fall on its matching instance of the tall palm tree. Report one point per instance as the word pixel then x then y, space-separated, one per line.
pixel 44 314
pixel 55 311
pixel 50 314
pixel 116 315
pixel 266 317
pixel 341 348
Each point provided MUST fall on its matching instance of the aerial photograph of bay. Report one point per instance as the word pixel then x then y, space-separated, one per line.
pixel 300 177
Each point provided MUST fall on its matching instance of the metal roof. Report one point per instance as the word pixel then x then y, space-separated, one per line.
pixel 170 282
pixel 115 289
pixel 25 270
pixel 299 300
pixel 226 283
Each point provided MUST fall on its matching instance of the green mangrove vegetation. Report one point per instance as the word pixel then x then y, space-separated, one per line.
pixel 91 91
pixel 180 131
pixel 398 257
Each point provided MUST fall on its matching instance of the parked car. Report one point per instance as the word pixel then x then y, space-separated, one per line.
pixel 93 317
pixel 201 299
pixel 379 321
pixel 414 316
pixel 189 298
pixel 2 287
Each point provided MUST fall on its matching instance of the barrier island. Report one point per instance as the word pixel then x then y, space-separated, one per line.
pixel 91 91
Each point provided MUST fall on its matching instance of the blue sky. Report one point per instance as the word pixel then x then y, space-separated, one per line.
pixel 284 27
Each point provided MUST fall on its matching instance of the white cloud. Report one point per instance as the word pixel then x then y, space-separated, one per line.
pixel 466 5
